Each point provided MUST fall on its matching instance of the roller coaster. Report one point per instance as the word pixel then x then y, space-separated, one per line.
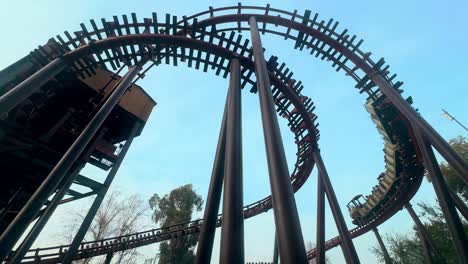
pixel 211 40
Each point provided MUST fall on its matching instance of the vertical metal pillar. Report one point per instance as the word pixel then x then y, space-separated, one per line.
pixel 320 242
pixel 49 185
pixel 44 218
pixel 232 229
pixel 387 258
pixel 99 197
pixel 23 90
pixel 288 227
pixel 347 244
pixel 210 217
pixel 275 250
pixel 426 241
pixel 426 250
pixel 418 122
pixel 461 206
pixel 108 258
pixel 455 226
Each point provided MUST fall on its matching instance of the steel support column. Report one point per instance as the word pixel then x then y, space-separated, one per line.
pixel 232 229
pixel 347 244
pixel 210 217
pixel 426 241
pixel 455 226
pixel 320 242
pixel 108 258
pixel 44 218
pixel 288 227
pixel 426 249
pixel 99 197
pixel 275 250
pixel 49 185
pixel 29 86
pixel 387 258
pixel 461 206
pixel 418 122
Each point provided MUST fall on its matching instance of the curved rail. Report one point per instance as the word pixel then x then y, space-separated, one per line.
pixel 385 201
pixel 395 177
pixel 290 104
pixel 319 37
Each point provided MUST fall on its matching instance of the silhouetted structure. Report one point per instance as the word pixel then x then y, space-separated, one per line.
pixel 208 40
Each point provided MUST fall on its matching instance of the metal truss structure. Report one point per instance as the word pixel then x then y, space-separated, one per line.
pixel 210 40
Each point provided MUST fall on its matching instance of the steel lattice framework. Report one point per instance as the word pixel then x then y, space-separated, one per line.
pixel 210 40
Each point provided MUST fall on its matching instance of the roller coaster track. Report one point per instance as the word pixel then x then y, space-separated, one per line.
pixel 208 39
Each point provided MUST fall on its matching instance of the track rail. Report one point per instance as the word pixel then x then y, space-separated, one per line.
pixel 125 41
pixel 290 104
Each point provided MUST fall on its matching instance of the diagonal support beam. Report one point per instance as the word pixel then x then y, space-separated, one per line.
pixel 426 241
pixel 50 184
pixel 320 242
pixel 275 250
pixel 45 215
pixel 210 217
pixel 73 193
pixel 232 229
pixel 455 227
pixel 99 198
pixel 387 258
pixel 19 93
pixel 419 123
pixel 288 227
pixel 347 245
pixel 87 182
pixel 461 206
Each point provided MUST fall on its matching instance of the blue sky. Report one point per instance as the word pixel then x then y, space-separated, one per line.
pixel 424 42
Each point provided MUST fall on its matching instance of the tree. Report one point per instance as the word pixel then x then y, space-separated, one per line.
pixel 408 248
pixel 403 249
pixel 460 145
pixel 172 209
pixel 118 215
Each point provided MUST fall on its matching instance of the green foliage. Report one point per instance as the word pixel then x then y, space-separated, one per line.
pixel 459 144
pixel 402 248
pixel 439 233
pixel 408 248
pixel 176 208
